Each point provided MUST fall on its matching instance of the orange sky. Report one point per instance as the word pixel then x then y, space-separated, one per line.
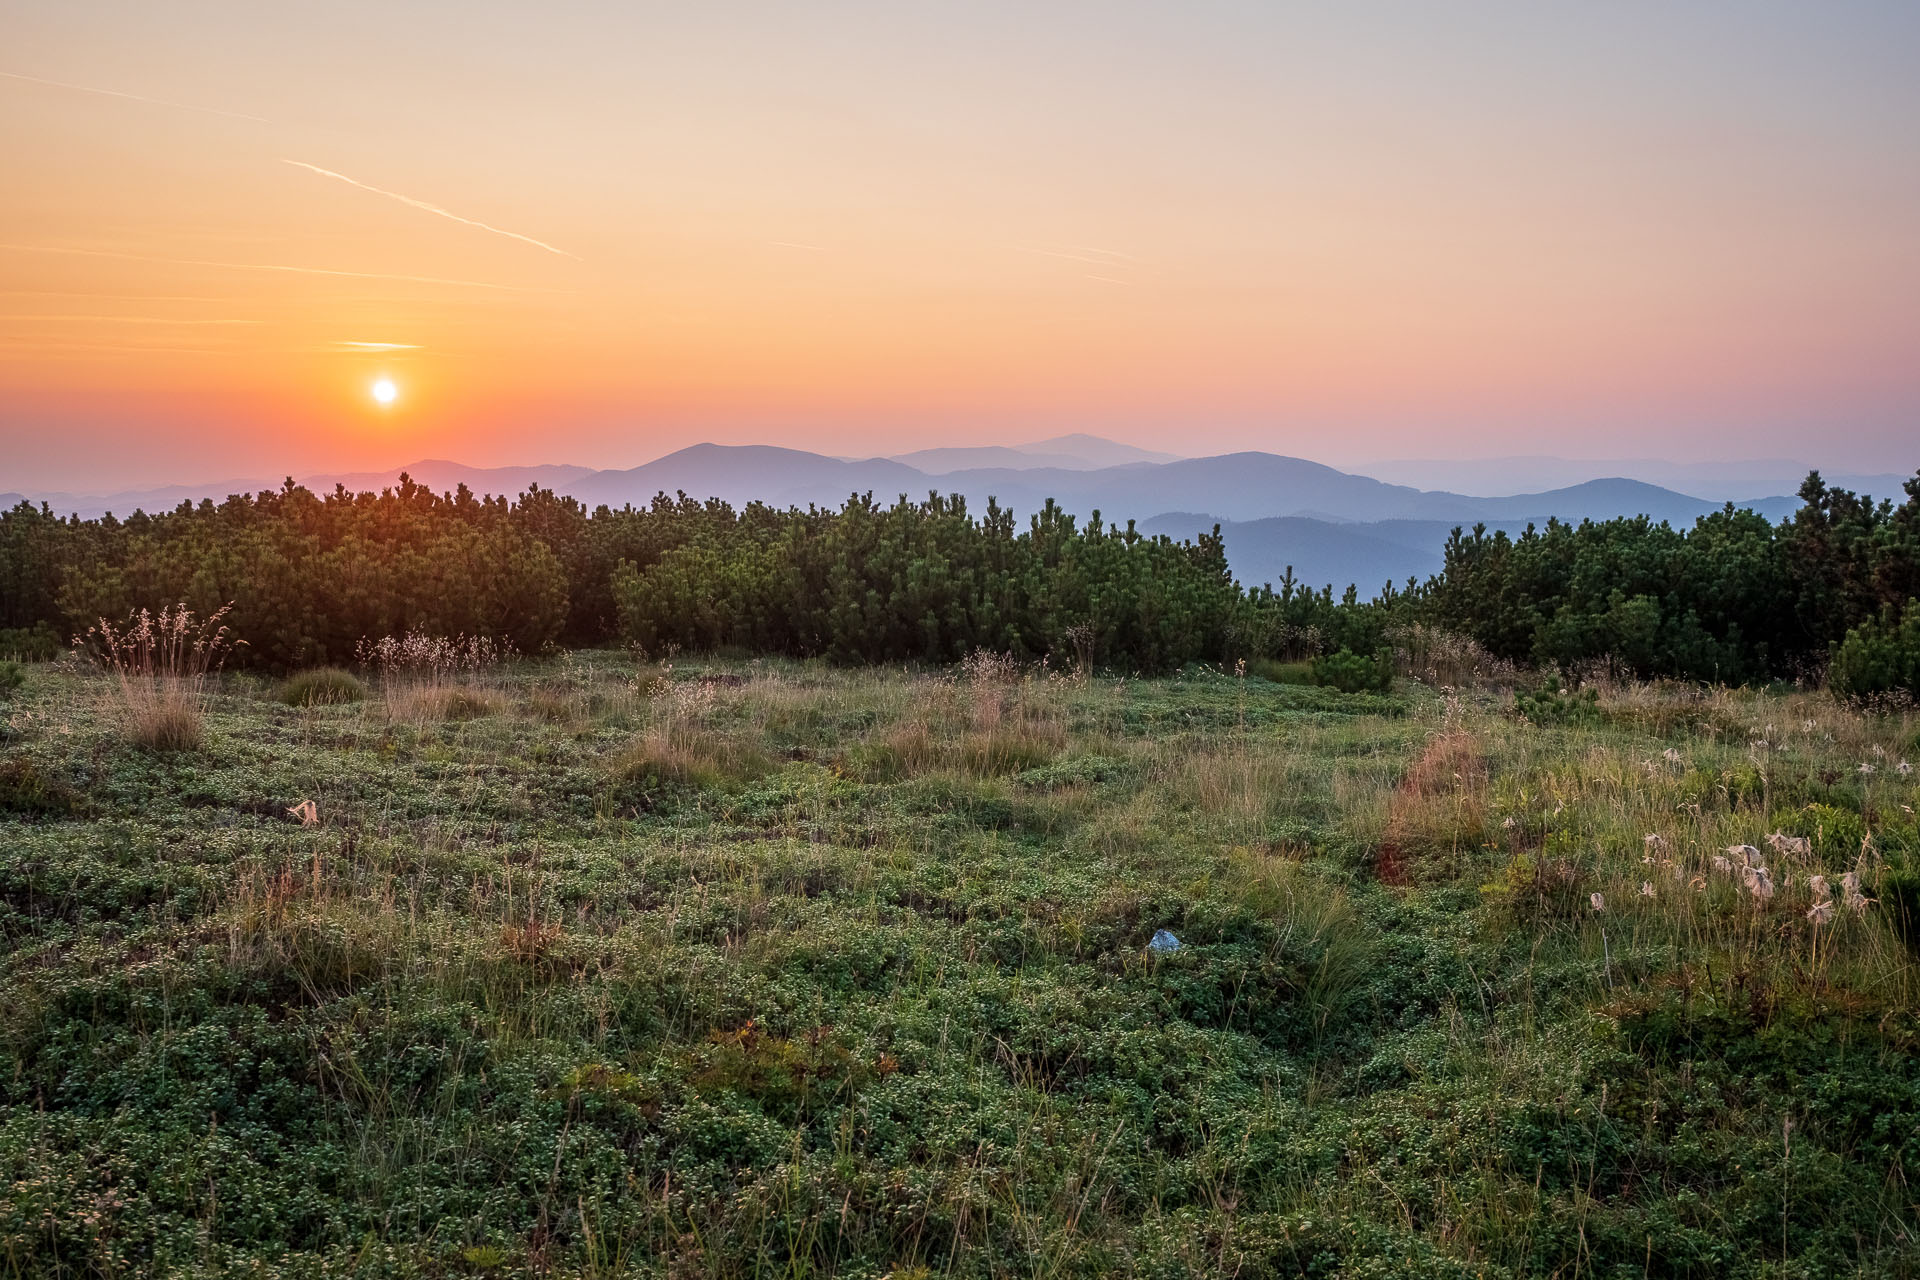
pixel 1394 231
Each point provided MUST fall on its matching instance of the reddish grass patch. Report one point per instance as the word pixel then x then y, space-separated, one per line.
pixel 1441 795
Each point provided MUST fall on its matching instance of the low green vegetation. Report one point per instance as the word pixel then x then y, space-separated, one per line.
pixel 1550 703
pixel 320 687
pixel 1351 672
pixel 600 966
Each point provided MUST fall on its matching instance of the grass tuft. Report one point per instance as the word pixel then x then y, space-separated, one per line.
pixel 321 687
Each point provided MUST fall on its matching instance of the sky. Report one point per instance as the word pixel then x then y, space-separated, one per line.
pixel 595 233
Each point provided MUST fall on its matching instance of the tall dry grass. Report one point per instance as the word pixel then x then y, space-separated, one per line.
pixel 160 664
pixel 1447 659
pixel 426 678
pixel 680 746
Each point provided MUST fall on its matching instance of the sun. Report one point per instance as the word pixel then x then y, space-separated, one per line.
pixel 384 391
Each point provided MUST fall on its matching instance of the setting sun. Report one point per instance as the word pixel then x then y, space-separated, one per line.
pixel 385 392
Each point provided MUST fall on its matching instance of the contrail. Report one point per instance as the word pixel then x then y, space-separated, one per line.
pixel 269 266
pixel 1093 257
pixel 134 97
pixel 430 208
pixel 380 346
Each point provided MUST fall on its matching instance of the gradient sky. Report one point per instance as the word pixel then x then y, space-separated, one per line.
pixel 1347 232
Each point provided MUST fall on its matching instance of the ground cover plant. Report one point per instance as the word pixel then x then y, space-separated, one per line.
pixel 600 965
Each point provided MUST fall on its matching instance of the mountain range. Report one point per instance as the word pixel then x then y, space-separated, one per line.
pixel 1332 527
pixel 1719 481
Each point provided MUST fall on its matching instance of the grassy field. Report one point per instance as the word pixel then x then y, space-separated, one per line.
pixel 589 967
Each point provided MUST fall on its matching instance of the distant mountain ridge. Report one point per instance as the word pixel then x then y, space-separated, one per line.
pixel 1076 452
pixel 1323 553
pixel 1712 481
pixel 1334 527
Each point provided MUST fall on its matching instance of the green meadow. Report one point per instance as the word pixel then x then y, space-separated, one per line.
pixel 596 966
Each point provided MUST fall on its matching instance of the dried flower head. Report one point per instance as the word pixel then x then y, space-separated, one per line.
pixel 417 654
pixel 1790 846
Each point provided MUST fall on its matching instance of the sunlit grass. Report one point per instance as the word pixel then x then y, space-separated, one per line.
pixel 738 968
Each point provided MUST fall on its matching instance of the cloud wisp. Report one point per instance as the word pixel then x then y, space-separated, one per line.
pixel 269 266
pixel 379 346
pixel 134 97
pixel 430 208
pixel 108 319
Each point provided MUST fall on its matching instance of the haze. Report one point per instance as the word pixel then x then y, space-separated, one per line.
pixel 595 233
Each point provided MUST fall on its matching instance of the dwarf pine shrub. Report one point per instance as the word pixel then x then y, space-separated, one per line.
pixel 1882 656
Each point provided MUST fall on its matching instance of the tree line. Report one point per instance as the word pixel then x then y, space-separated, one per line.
pixel 1736 598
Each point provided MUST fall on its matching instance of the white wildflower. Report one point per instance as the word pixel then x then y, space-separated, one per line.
pixel 1817 885
pixel 1759 882
pixel 1598 900
pixel 1671 756
pixel 1903 768
pixel 1646 888
pixel 1721 865
pixel 1866 767
pixel 1820 912
pixel 1654 841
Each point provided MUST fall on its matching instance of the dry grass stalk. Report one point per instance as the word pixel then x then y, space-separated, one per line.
pixel 160 663
pixel 427 678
